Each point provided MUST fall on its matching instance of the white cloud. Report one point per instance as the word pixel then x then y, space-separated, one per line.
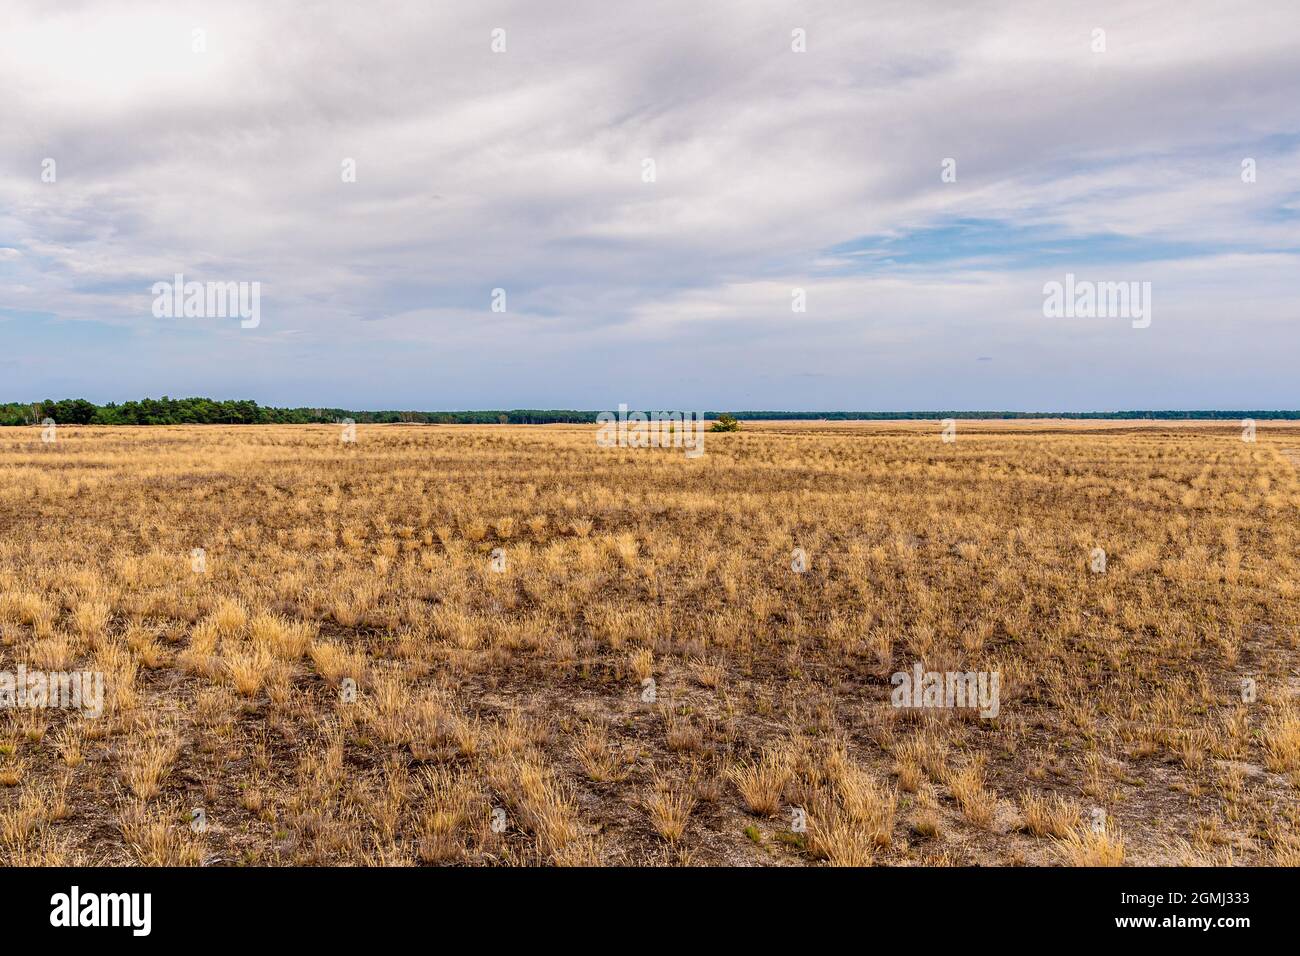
pixel 523 170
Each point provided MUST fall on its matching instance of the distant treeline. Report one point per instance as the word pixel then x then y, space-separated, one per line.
pixel 904 416
pixel 207 411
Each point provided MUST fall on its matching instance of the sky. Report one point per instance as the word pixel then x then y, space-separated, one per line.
pixel 800 153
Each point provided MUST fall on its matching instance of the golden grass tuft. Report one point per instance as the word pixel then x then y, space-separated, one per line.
pixel 761 782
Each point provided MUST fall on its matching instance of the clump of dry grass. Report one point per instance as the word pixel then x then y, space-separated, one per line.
pixel 1048 816
pixel 1281 736
pixel 1087 846
pixel 71 738
pixel 851 816
pixel 159 836
pixel 925 818
pixel 977 803
pixel 450 800
pixel 598 757
pixel 200 657
pixel 585 851
pixel 90 618
pixel 282 638
pixel 681 733
pixel 229 618
pixel 642 662
pixel 761 782
pixel 146 648
pixel 248 669
pixel 908 767
pixel 837 838
pixel 24 607
pixel 544 804
pixel 669 806
pixel 710 674
pixel 147 761
pixel 334 662
pixel 38 805
pixel 52 653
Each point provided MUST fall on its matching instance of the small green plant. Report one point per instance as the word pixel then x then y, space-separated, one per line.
pixel 751 831
pixel 725 423
pixel 789 838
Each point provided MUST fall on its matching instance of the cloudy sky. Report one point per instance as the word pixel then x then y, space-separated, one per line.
pixel 774 170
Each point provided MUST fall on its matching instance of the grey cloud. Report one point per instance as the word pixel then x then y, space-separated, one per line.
pixel 523 171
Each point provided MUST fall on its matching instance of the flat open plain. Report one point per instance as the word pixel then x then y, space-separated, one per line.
pixel 507 645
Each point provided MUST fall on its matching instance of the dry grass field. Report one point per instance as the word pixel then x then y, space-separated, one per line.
pixel 506 645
